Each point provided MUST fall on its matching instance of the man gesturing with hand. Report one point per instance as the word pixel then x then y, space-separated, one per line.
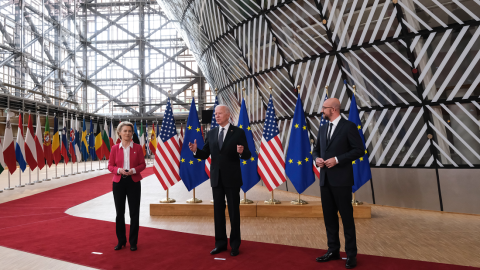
pixel 226 144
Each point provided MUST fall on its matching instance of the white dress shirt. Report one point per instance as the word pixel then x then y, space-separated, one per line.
pixel 335 124
pixel 126 157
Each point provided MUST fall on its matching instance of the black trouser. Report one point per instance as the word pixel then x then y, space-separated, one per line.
pixel 233 201
pixel 126 188
pixel 338 199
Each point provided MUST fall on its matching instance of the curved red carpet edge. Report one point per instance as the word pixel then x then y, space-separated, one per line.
pixel 38 224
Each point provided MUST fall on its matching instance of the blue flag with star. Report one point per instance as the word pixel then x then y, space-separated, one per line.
pixel 192 170
pixel 91 142
pixel 250 175
pixel 298 165
pixel 361 166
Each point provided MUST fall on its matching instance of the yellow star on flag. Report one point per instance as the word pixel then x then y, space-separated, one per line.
pixel 306 159
pixel 198 129
pixel 365 151
pixel 296 125
pixel 252 159
pixel 182 160
pixel 361 159
pixel 199 160
pixel 249 128
pixel 310 152
pixel 359 127
pixel 189 127
pixel 299 162
pixel 304 128
pixel 244 162
pixel 290 161
pixel 241 126
pixel 353 162
pixel 191 162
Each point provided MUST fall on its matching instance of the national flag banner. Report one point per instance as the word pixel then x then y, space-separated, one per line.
pixel 167 154
pixel 56 150
pixel 192 170
pixel 135 137
pixel 91 141
pixel 20 145
pixel 153 140
pixel 47 143
pixel 77 140
pixel 84 141
pixel 180 139
pixel 213 125
pixel 64 145
pixel 8 149
pixel 361 166
pixel 39 144
pixel 250 175
pixel 271 160
pixel 111 135
pixel 299 155
pixel 142 138
pixel 323 121
pixel 71 145
pixel 105 141
pixel 2 162
pixel 98 141
pixel 30 148
pixel 158 135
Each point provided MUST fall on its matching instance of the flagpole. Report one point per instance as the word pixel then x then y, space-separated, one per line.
pixel 56 165
pixel 194 200
pixel 29 171
pixel 9 188
pixel 76 122
pixel 91 157
pixel 272 200
pixel 245 200
pixel 84 158
pixel 354 201
pixel 38 169
pixel 20 126
pixel 100 158
pixel 168 200
pixel 64 163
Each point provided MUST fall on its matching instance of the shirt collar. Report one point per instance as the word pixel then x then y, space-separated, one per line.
pixel 226 127
pixel 335 122
pixel 121 146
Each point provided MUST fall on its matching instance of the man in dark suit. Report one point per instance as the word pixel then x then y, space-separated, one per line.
pixel 226 144
pixel 338 144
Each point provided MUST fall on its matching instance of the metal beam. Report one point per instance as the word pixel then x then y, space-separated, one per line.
pixel 118 4
pixel 158 29
pixel 172 97
pixel 114 99
pixel 141 58
pixel 114 61
pixel 166 61
pixel 121 93
pixel 177 62
pixel 113 22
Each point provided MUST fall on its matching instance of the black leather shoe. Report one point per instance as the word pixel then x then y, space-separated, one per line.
pixel 328 257
pixel 217 250
pixel 133 248
pixel 234 252
pixel 119 246
pixel 351 262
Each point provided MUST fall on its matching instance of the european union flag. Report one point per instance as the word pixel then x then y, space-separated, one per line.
pixel 250 175
pixel 192 170
pixel 91 142
pixel 298 165
pixel 361 166
pixel 135 137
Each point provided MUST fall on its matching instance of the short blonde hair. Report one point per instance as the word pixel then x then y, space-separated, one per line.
pixel 121 125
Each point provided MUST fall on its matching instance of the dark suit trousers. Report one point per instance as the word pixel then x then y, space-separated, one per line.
pixel 122 190
pixel 338 199
pixel 233 201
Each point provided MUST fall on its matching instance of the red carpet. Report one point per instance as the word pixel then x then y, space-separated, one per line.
pixel 38 224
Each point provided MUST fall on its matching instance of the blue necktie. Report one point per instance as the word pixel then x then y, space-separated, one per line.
pixel 220 140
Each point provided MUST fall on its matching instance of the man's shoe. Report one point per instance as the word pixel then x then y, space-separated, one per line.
pixel 133 248
pixel 351 262
pixel 328 257
pixel 217 250
pixel 234 252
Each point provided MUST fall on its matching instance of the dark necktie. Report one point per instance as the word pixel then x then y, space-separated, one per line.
pixel 220 139
pixel 329 133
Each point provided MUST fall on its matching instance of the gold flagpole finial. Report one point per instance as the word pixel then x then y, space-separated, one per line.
pixel 270 89
pixel 243 89
pixel 298 88
pixel 216 91
pixel 326 89
pixel 354 89
pixel 193 92
pixel 169 93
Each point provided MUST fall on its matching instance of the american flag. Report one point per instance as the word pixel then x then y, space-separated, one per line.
pixel 167 155
pixel 213 125
pixel 323 121
pixel 181 136
pixel 271 159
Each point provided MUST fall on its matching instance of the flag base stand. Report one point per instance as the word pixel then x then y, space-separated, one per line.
pixel 272 200
pixel 29 184
pixel 167 200
pixel 1 191
pixel 38 181
pixel 355 202
pixel 245 200
pixel 299 201
pixel 194 200
pixel 9 188
pixel 65 175
pixel 18 186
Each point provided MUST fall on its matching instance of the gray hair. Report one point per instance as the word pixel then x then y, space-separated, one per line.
pixel 225 106
pixel 121 125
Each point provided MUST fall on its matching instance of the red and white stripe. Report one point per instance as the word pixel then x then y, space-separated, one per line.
pixel 315 169
pixel 39 145
pixel 271 163
pixel 181 136
pixel 30 148
pixel 167 162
